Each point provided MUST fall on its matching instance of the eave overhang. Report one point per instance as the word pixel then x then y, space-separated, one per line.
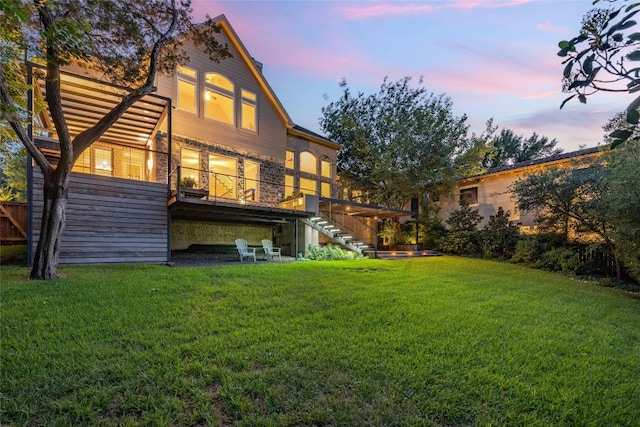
pixel 311 136
pixel 223 22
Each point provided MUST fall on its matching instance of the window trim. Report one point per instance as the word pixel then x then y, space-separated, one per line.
pixel 248 101
pixel 192 80
pixel 470 190
pixel 329 168
pixel 292 165
pixel 221 91
pixel 301 162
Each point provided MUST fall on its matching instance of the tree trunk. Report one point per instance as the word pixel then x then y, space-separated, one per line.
pixel 616 259
pixel 45 261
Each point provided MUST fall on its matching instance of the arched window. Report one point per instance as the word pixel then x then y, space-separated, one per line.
pixel 218 98
pixel 308 163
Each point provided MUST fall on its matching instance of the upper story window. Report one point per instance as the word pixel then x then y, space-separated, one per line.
pixel 95 160
pixel 248 111
pixel 187 83
pixel 325 189
pixel 308 163
pixel 289 160
pixel 325 168
pixel 218 98
pixel 469 195
pixel 103 161
pixel 288 185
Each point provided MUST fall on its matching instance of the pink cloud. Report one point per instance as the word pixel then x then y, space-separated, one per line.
pixel 548 27
pixel 544 94
pixel 386 9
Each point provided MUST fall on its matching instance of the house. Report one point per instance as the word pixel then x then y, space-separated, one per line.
pixel 211 157
pixel 492 189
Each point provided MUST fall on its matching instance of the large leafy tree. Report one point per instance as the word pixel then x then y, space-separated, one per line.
pixel 570 199
pixel 126 42
pixel 401 142
pixel 508 148
pixel 604 57
pixel 13 171
pixel 623 202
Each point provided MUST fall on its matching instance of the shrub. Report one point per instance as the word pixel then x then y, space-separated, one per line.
pixel 329 253
pixel 549 252
pixel 431 231
pixel 464 219
pixel 527 252
pixel 499 236
pixel 463 237
pixel 188 182
pixel 561 259
pixel 461 242
pixel 395 233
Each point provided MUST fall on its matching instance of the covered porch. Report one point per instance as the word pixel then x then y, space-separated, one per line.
pixel 210 225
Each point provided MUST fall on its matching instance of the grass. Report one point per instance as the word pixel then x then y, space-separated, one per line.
pixel 13 254
pixel 433 342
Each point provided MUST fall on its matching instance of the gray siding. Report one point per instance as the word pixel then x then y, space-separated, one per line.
pixel 269 140
pixel 109 220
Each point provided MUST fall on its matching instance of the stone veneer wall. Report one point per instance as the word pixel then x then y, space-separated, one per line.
pixel 161 159
pixel 271 177
pixel 184 233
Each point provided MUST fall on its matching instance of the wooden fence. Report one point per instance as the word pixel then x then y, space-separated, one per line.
pixel 13 223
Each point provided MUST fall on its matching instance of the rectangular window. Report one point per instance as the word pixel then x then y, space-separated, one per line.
pixel 103 161
pixel 469 195
pixel 190 164
pixel 288 186
pixel 251 180
pixel 325 167
pixel 222 176
pixel 187 72
pixel 288 160
pixel 187 82
pixel 325 189
pixel 134 164
pixel 83 164
pixel 248 111
pixel 308 162
pixel 218 106
pixel 308 186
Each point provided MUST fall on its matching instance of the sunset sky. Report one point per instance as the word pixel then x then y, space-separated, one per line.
pixel 494 59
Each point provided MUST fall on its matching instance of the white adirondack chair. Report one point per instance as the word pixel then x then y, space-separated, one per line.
pixel 269 250
pixel 244 250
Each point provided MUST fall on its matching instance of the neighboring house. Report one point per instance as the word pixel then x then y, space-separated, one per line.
pixel 211 157
pixel 491 190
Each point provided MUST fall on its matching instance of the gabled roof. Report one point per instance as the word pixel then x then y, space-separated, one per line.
pixel 306 133
pixel 253 66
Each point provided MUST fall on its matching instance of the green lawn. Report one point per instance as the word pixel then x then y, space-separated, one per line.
pixel 435 342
